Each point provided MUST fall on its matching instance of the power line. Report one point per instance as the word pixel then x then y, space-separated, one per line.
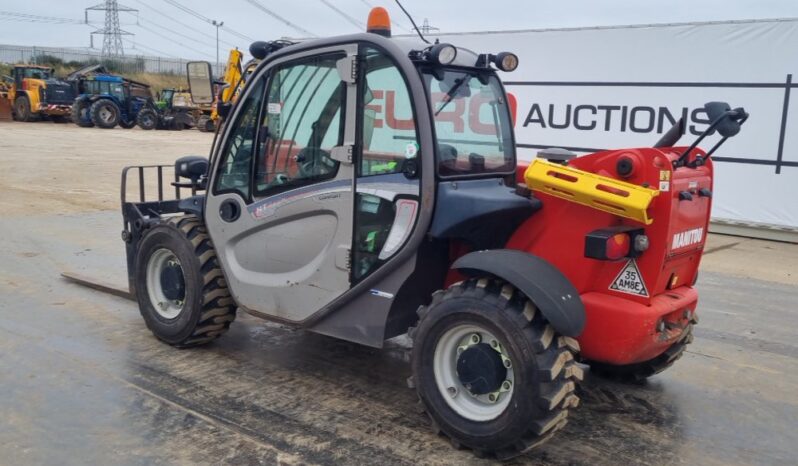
pixel 352 20
pixel 169 18
pixel 173 41
pixel 38 18
pixel 171 31
pixel 207 20
pixel 274 15
pixel 161 52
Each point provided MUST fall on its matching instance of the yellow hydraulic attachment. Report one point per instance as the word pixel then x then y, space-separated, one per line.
pixel 599 192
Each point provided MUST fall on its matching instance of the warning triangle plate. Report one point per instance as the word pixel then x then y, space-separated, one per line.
pixel 629 280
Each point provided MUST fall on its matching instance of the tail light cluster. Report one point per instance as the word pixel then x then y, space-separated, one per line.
pixel 615 243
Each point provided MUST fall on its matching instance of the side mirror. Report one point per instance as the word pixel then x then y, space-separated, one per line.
pixel 200 81
pixel 728 124
pixel 192 167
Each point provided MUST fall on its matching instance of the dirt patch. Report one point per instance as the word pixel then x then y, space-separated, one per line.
pixel 61 168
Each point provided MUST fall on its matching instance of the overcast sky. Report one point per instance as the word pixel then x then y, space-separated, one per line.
pixel 163 29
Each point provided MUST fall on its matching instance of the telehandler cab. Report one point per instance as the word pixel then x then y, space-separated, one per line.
pixel 364 187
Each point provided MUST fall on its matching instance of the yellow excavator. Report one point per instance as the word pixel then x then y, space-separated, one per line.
pixel 228 89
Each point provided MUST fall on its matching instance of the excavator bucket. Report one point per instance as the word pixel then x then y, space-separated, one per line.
pixel 5 108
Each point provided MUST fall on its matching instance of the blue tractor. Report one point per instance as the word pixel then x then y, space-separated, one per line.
pixel 107 100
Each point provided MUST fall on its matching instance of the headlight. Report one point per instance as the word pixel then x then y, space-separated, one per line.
pixel 506 61
pixel 443 54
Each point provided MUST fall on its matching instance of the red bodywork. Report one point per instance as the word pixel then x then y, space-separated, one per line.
pixel 624 328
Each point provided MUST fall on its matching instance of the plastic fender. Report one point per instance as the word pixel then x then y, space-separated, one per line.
pixel 546 286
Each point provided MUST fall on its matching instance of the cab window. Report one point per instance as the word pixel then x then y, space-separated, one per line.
pixel 301 124
pixel 389 129
pixel 235 167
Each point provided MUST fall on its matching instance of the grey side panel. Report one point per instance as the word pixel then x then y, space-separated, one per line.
pixel 363 319
pixel 549 289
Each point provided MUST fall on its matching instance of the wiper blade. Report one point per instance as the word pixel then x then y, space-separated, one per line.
pixel 450 94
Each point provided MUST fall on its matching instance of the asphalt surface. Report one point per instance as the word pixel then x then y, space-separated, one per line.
pixel 84 382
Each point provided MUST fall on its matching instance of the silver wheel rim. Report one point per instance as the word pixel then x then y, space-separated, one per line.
pixel 165 307
pixel 106 115
pixel 480 408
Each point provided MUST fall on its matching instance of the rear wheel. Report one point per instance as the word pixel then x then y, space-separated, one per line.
pixel 147 119
pixel 105 114
pixel 490 371
pixel 180 288
pixel 205 124
pixel 81 115
pixel 22 109
pixel 642 370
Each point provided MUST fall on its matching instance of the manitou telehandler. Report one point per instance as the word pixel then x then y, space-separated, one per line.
pixel 364 187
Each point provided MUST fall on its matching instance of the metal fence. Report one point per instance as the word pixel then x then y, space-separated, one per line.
pixel 75 57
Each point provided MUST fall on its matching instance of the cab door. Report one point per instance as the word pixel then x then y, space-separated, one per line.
pixel 281 198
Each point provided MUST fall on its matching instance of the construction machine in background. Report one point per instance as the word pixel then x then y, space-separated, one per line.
pixel 107 100
pixel 227 89
pixel 5 103
pixel 33 93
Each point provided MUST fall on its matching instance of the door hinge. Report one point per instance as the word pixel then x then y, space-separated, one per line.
pixel 347 69
pixel 343 153
pixel 343 258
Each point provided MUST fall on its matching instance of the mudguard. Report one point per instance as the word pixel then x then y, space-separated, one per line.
pixel 549 289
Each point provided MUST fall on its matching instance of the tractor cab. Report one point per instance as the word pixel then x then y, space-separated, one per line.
pixel 343 159
pixel 23 72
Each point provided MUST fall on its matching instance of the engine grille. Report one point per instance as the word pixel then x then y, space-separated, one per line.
pixel 59 93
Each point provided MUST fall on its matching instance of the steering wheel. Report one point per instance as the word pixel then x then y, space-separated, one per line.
pixel 314 162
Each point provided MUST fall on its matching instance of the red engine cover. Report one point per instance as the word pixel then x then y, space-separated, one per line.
pixel 667 269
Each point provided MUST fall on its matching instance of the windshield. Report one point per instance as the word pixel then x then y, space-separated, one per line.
pixel 37 73
pixel 472 122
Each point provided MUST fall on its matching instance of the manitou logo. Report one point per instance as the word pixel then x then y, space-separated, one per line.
pixel 687 238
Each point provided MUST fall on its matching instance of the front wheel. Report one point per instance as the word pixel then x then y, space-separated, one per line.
pixel 180 288
pixel 490 371
pixel 147 119
pixel 81 114
pixel 22 109
pixel 640 371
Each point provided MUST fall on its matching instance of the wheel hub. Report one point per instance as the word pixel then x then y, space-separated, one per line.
pixel 473 372
pixel 172 281
pixel 480 369
pixel 166 284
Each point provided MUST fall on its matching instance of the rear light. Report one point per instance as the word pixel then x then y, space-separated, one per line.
pixel 617 246
pixel 616 243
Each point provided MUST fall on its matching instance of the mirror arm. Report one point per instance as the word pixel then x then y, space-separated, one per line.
pixel 720 143
pixel 682 158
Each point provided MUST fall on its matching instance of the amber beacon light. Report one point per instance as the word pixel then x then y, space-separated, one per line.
pixel 379 22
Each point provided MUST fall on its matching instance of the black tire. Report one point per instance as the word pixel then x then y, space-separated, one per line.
pixel 147 119
pixel 205 124
pixel 208 309
pixel 544 369
pixel 22 109
pixel 127 125
pixel 105 114
pixel 641 371
pixel 81 114
pixel 60 119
